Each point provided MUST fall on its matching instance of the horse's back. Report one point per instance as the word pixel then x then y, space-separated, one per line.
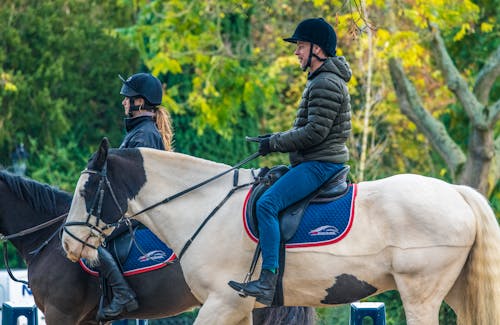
pixel 411 211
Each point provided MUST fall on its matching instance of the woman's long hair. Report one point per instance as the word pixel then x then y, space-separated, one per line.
pixel 164 125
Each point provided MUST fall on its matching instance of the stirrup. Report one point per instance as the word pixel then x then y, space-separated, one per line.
pixel 251 271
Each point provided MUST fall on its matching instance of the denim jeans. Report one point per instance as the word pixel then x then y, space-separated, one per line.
pixel 296 184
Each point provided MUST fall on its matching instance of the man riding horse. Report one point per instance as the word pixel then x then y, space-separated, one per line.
pixel 316 143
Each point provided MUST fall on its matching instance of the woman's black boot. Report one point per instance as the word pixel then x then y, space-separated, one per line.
pixel 123 295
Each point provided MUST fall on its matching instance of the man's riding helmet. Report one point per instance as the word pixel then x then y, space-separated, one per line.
pixel 316 31
pixel 143 85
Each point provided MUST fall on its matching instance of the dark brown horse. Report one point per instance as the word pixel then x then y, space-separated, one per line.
pixel 65 293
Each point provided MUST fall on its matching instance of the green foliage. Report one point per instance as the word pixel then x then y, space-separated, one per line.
pixel 14 259
pixel 213 146
pixel 61 64
pixel 228 48
pixel 57 164
pixel 333 315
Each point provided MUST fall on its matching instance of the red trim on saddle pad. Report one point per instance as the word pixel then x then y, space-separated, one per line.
pixel 132 272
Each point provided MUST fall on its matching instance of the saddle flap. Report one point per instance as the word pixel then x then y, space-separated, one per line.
pixel 121 245
pixel 290 218
pixel 265 178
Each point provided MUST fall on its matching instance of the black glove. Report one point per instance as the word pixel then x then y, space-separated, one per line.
pixel 264 147
pixel 258 138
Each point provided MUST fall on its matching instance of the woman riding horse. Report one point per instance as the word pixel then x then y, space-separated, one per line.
pixel 145 118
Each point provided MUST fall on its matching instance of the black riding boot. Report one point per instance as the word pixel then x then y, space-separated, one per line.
pixel 262 289
pixel 123 295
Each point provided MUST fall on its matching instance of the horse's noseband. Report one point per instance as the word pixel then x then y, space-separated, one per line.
pixel 95 229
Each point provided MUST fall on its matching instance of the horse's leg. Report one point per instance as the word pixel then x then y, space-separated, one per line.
pixel 425 279
pixel 229 311
pixel 420 307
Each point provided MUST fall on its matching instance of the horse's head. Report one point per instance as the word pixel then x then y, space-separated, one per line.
pixel 111 178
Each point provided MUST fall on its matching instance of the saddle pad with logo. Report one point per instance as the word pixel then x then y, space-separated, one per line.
pixel 147 253
pixel 322 223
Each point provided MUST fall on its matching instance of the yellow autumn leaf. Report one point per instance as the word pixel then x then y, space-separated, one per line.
pixel 487 27
pixel 462 32
pixel 9 86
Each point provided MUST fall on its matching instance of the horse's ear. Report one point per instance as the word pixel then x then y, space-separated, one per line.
pixel 102 153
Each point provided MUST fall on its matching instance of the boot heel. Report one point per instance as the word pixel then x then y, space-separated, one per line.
pixel 132 305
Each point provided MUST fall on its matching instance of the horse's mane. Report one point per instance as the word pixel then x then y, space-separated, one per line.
pixel 41 197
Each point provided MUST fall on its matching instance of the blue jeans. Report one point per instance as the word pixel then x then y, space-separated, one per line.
pixel 296 184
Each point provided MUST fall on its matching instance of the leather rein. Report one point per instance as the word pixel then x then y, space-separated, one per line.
pixel 97 231
pixel 25 232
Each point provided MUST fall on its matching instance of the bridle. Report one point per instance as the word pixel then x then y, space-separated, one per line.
pixel 96 231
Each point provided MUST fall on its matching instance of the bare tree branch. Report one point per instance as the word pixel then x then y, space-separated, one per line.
pixel 494 113
pixel 456 83
pixel 411 106
pixel 487 76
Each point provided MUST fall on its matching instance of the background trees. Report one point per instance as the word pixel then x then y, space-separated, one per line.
pixel 61 63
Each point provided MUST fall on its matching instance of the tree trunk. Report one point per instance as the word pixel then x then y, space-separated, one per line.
pixel 481 151
pixel 481 167
pixel 368 101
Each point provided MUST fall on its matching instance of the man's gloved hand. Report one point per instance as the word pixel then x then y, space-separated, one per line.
pixel 264 147
pixel 263 140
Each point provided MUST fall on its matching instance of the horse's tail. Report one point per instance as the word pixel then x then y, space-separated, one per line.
pixel 480 296
pixel 286 315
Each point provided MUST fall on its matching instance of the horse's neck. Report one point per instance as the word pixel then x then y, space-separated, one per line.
pixel 167 177
pixel 170 173
pixel 22 218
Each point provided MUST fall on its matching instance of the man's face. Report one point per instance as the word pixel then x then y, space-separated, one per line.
pixel 302 53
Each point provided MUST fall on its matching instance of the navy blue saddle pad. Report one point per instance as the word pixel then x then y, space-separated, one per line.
pixel 147 253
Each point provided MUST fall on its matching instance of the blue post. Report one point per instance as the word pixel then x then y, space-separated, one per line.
pixel 11 312
pixel 360 310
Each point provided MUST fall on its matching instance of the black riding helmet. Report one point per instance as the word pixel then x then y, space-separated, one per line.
pixel 143 85
pixel 316 31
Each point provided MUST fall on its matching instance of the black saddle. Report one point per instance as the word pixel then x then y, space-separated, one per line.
pixel 120 242
pixel 289 219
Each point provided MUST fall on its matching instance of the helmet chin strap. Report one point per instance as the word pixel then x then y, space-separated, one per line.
pixel 309 58
pixel 132 107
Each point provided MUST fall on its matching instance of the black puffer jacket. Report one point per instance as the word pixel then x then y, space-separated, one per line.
pixel 142 132
pixel 323 121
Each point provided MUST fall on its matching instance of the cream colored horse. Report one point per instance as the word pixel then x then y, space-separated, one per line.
pixel 430 240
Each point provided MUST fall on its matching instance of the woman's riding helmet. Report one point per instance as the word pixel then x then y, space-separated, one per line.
pixel 144 85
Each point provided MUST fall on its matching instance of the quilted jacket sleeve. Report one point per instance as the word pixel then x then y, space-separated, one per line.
pixel 318 109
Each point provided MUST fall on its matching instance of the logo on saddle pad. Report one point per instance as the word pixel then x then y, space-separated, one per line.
pixel 321 223
pixel 324 231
